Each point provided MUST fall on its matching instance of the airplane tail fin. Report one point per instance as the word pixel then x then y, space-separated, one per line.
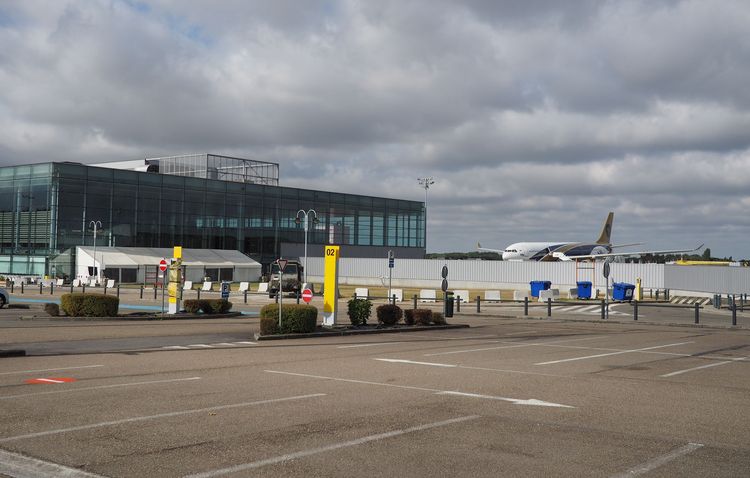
pixel 605 237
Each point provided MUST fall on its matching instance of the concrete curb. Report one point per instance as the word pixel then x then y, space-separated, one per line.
pixel 140 317
pixel 344 332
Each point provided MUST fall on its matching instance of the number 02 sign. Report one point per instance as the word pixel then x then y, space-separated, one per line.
pixel 330 285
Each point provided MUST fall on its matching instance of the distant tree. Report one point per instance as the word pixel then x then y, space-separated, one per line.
pixel 707 254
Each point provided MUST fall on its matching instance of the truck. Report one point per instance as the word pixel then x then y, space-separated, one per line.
pixel 292 279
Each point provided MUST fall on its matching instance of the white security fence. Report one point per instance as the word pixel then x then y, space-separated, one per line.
pixel 420 273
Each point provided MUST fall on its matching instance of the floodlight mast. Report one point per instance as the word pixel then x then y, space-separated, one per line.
pixel 96 225
pixel 315 221
pixel 425 183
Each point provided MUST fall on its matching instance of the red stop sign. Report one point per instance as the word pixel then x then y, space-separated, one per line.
pixel 163 265
pixel 307 295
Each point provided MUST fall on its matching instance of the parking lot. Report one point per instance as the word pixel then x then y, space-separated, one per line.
pixel 508 396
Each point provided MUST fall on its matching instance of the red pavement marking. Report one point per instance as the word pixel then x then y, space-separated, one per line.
pixel 50 380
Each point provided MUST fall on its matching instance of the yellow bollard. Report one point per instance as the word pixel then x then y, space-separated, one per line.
pixel 638 289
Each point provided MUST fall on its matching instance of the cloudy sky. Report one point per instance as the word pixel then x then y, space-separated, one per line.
pixel 535 118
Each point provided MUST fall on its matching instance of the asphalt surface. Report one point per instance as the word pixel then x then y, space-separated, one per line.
pixel 510 396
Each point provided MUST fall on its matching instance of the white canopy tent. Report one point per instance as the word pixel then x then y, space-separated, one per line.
pixel 140 264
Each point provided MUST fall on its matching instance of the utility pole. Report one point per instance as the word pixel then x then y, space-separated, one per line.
pixel 425 183
pixel 95 225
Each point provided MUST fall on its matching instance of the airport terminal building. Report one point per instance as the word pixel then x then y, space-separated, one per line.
pixel 200 201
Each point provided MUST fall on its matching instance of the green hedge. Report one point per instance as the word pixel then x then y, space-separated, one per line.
pixel 359 311
pixel 208 306
pixel 409 316
pixel 89 305
pixel 295 319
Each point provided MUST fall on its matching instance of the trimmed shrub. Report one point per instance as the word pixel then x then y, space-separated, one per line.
pixel 52 309
pixel 295 319
pixel 191 306
pixel 409 316
pixel 389 314
pixel 359 311
pixel 423 316
pixel 438 318
pixel 215 306
pixel 89 305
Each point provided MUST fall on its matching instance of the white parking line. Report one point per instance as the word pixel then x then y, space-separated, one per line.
pixel 366 345
pixel 13 464
pixel 223 344
pixel 679 372
pixel 176 347
pixel 247 343
pixel 323 449
pixel 69 390
pixel 474 368
pixel 415 363
pixel 516 401
pixel 512 346
pixel 659 461
pixel 611 353
pixel 160 415
pixel 50 369
pixel 200 346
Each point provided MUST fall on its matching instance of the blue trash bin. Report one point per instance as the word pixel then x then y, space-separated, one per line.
pixel 584 289
pixel 537 285
pixel 622 291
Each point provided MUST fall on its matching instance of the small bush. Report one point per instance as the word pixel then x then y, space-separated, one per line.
pixel 409 316
pixel 89 305
pixel 295 319
pixel 359 311
pixel 216 306
pixel 191 306
pixel 52 309
pixel 423 316
pixel 438 318
pixel 389 314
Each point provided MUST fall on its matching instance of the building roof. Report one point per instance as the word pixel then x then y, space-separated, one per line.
pixel 135 256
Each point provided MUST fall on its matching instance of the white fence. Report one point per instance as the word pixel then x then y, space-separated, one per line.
pixel 517 275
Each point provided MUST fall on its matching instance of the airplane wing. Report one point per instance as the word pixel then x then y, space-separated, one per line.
pixel 485 249
pixel 636 253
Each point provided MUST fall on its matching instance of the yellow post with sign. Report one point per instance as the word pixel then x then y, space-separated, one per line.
pixel 638 289
pixel 174 288
pixel 330 285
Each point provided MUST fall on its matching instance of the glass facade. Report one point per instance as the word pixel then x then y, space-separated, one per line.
pixel 46 209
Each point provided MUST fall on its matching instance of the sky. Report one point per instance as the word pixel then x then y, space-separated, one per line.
pixel 534 118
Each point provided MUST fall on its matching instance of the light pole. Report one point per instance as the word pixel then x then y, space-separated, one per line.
pixel 425 183
pixel 297 221
pixel 96 225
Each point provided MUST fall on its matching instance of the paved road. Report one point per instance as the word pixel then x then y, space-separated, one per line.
pixel 506 397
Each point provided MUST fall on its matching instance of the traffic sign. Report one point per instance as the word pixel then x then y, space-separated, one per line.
pixel 444 272
pixel 444 285
pixel 307 295
pixel 163 265
pixel 391 263
pixel 282 264
pixel 605 270
pixel 225 290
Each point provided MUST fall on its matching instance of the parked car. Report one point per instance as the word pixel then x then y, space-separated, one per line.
pixel 4 297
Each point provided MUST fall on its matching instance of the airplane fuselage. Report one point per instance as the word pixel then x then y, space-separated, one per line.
pixel 564 251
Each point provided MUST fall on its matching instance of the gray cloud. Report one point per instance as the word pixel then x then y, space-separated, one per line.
pixel 536 118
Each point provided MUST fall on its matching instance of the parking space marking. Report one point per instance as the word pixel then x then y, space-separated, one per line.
pixel 679 372
pixel 611 353
pixel 14 464
pixel 160 415
pixel 206 346
pixel 101 387
pixel 513 345
pixel 366 345
pixel 516 401
pixel 416 363
pixel 50 369
pixel 475 368
pixel 659 461
pixel 336 446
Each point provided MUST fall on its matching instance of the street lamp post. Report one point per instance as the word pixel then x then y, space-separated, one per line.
pixel 425 183
pixel 96 225
pixel 297 221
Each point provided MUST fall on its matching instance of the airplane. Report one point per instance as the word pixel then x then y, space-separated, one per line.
pixel 574 251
